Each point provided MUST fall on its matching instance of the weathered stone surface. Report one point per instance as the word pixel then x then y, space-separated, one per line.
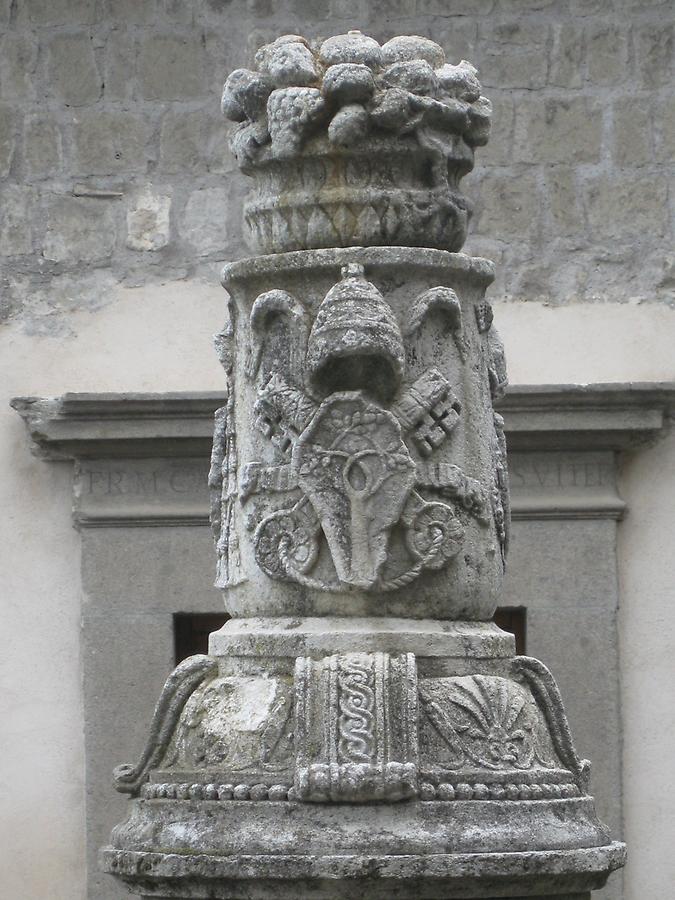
pixel 499 150
pixel 565 210
pixel 666 129
pixel 544 130
pixel 508 203
pixel 518 37
pixel 191 142
pixel 516 56
pixel 617 207
pixel 73 72
pixel 148 220
pixel 656 54
pixel 131 13
pixel 321 636
pixel 110 142
pixel 120 58
pixel 171 68
pixel 18 62
pixel 339 877
pixel 204 223
pixel 42 146
pixel 79 229
pixel 8 126
pixel 567 56
pixel 607 54
pixel 61 12
pixel 16 230
pixel 633 133
pixel 359 474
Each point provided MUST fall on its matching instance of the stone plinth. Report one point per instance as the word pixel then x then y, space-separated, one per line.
pixel 262 784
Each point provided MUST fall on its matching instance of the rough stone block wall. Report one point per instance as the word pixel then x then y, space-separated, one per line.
pixel 114 167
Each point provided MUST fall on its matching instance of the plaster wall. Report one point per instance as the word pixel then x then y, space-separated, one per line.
pixel 145 339
pixel 118 205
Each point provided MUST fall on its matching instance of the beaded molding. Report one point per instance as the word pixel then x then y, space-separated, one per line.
pixel 498 791
pixel 185 791
pixel 427 791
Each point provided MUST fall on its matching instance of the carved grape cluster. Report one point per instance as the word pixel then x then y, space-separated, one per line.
pixel 354 89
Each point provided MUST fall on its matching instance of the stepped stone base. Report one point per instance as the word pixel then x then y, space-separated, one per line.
pixel 467 744
pixel 568 875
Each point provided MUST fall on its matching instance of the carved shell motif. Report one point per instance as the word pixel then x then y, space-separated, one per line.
pixel 486 722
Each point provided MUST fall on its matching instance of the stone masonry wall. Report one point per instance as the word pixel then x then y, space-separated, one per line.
pixel 114 168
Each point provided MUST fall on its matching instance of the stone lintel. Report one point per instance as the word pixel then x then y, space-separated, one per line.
pixel 129 425
pixel 537 417
pixel 613 416
pixel 128 492
pixel 564 484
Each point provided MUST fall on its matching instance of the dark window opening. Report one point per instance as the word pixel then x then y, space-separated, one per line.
pixel 191 632
pixel 514 619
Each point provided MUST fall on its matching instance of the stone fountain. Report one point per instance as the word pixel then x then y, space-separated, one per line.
pixel 360 727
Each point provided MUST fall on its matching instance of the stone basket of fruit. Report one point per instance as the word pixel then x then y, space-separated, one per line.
pixel 351 143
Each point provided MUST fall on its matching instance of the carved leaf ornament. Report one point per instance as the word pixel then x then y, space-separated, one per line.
pixel 488 722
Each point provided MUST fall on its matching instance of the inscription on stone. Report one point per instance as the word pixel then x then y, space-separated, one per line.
pixel 558 471
pixel 158 489
pixel 141 490
pixel 564 484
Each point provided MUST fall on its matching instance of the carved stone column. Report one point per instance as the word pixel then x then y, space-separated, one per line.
pixel 360 727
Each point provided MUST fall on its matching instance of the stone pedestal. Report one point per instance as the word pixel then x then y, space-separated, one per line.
pixel 359 728
pixel 431 762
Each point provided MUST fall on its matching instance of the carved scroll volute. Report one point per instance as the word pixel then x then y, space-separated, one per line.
pixel 182 682
pixel 267 306
pixel 446 301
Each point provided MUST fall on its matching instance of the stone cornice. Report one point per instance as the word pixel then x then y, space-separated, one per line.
pixel 473 268
pixel 615 416
pixel 537 417
pixel 114 425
